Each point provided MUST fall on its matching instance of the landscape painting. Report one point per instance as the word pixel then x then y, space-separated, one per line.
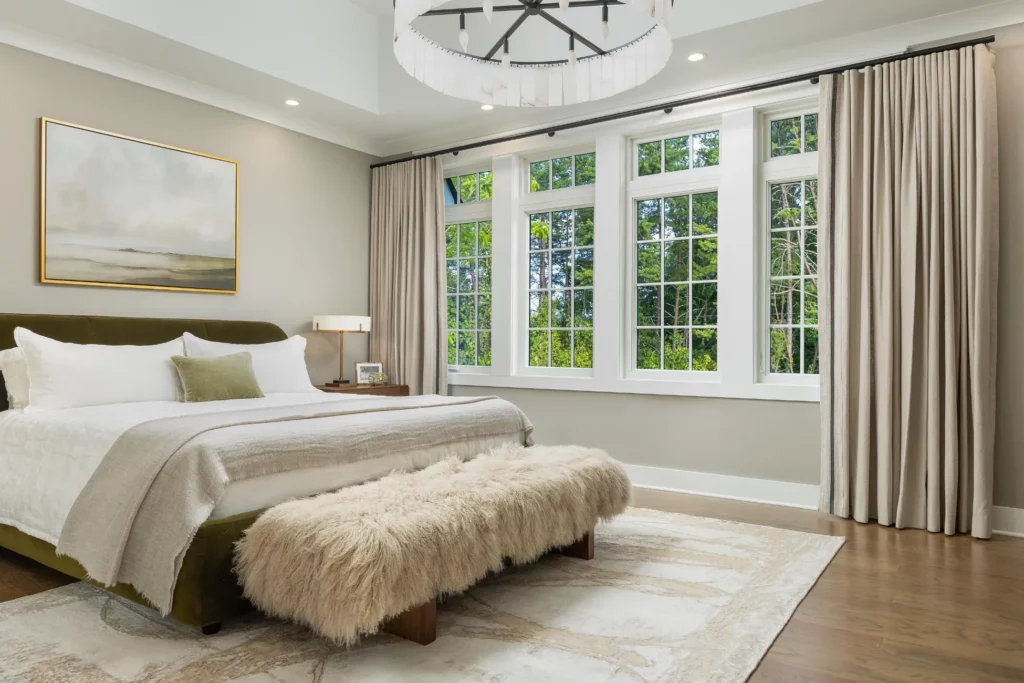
pixel 120 212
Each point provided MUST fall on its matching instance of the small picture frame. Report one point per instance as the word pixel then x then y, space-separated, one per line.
pixel 366 371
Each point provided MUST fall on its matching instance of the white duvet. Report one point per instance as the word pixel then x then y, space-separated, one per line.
pixel 47 457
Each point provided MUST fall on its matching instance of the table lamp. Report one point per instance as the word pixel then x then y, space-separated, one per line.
pixel 341 324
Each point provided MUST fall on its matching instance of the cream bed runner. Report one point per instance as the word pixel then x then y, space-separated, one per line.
pixel 140 510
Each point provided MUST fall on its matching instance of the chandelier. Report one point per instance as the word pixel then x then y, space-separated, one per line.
pixel 494 78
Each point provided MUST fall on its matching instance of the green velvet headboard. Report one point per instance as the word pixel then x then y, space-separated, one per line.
pixel 82 329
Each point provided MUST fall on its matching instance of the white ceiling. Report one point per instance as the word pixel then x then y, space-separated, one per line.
pixel 334 56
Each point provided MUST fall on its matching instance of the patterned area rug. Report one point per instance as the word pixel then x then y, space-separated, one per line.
pixel 668 598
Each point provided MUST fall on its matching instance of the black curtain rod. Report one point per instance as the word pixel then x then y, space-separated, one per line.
pixel 668 106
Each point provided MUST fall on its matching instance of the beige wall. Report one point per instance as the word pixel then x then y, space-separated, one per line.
pixel 1009 466
pixel 760 439
pixel 304 235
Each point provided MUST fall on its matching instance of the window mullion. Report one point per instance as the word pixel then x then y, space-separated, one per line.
pixel 504 257
pixel 737 289
pixel 610 288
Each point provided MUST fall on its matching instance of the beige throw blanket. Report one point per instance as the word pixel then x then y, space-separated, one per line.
pixel 160 481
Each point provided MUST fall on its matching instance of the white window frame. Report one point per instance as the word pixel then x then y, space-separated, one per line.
pixel 775 170
pixel 456 171
pixel 551 155
pixel 741 179
pixel 473 212
pixel 693 181
pixel 705 126
pixel 566 198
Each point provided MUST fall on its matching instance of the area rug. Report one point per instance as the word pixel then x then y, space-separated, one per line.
pixel 667 598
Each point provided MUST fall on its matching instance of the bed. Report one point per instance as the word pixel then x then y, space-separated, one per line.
pixel 67 445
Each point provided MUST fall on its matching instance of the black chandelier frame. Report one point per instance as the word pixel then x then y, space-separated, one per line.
pixel 533 8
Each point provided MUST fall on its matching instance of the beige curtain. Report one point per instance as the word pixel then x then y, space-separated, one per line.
pixel 407 282
pixel 910 216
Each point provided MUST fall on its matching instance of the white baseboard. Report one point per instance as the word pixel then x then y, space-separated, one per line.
pixel 725 486
pixel 1008 521
pixel 1005 521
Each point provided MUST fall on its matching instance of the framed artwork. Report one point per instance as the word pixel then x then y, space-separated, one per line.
pixel 121 212
pixel 366 371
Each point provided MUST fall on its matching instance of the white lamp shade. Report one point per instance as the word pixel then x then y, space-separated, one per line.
pixel 341 323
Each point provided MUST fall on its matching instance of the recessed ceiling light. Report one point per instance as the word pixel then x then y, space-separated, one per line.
pixel 487 107
pixel 292 103
pixel 696 57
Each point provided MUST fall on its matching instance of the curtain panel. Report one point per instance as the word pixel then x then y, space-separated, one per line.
pixel 909 212
pixel 407 271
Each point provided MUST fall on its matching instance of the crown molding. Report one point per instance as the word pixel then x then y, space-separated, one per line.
pixel 95 60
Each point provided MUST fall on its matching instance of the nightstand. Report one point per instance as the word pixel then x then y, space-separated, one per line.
pixel 368 389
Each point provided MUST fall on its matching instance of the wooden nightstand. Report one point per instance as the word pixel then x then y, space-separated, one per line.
pixel 368 389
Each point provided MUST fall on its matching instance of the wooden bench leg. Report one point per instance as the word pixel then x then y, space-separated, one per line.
pixel 418 624
pixel 211 629
pixel 582 549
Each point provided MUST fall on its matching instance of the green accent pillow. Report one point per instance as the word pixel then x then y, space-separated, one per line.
pixel 217 379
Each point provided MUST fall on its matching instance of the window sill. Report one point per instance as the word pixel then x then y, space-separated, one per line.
pixel 700 389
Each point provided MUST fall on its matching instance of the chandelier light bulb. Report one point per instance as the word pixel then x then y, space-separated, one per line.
pixel 489 9
pixel 463 34
pixel 506 59
pixel 563 5
pixel 604 22
pixel 572 50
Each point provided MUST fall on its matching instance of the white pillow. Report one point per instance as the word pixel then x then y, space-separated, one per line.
pixel 280 367
pixel 65 375
pixel 15 372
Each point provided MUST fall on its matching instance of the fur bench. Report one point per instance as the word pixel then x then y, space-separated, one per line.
pixel 378 555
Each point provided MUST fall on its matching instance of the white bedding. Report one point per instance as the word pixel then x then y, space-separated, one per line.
pixel 46 459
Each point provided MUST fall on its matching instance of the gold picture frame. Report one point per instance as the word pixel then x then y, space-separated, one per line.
pixel 81 251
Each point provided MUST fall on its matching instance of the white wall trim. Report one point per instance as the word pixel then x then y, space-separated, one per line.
pixel 80 55
pixel 783 493
pixel 1006 521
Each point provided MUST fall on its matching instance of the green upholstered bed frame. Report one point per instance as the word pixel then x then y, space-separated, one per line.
pixel 207 592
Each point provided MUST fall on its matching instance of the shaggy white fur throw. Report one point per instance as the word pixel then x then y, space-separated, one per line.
pixel 343 562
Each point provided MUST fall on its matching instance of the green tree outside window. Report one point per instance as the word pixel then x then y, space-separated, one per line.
pixel 677 283
pixel 468 275
pixel 561 296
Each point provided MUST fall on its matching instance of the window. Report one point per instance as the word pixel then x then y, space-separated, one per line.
pixel 677 154
pixel 677 283
pixel 794 135
pixel 793 268
pixel 468 252
pixel 690 269
pixel 561 288
pixel 563 172
pixel 466 189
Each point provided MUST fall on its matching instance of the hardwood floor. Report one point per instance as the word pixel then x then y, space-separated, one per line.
pixel 893 606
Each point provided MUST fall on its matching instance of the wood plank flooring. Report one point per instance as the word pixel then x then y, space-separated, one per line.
pixel 893 606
